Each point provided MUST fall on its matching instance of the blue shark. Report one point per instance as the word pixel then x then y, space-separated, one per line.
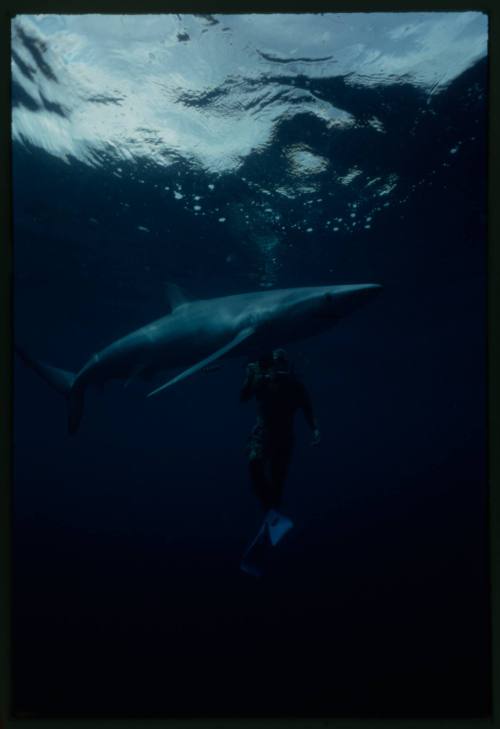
pixel 195 334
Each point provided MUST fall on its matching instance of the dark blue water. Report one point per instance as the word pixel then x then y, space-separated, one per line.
pixel 128 598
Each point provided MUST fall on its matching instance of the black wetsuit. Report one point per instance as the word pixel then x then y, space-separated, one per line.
pixel 279 395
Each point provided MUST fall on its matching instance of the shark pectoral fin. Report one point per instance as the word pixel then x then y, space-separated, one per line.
pixel 134 374
pixel 244 334
pixel 212 368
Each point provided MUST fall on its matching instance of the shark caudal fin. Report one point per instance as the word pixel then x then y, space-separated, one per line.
pixel 64 382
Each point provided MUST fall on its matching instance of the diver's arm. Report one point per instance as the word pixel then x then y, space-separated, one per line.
pixel 248 388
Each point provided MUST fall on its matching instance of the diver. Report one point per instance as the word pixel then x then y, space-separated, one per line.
pixel 279 394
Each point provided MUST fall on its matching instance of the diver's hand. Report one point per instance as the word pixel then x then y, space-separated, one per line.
pixel 252 374
pixel 252 369
pixel 316 437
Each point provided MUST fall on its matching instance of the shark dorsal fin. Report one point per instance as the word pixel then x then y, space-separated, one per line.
pixel 175 297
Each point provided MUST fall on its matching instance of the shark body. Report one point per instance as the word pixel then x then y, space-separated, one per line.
pixel 196 334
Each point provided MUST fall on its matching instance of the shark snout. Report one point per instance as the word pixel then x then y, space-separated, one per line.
pixel 345 299
pixel 356 289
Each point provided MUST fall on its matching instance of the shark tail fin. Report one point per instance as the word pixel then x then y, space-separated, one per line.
pixel 60 380
pixel 64 382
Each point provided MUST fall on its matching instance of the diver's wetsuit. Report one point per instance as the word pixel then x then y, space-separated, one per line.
pixel 279 395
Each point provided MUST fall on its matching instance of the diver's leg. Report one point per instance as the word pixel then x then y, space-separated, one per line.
pixel 258 466
pixel 280 462
pixel 260 482
pixel 278 524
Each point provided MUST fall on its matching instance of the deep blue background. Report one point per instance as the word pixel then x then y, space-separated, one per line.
pixel 127 594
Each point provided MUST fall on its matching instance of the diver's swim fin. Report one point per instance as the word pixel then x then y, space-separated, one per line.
pixel 278 525
pixel 244 334
pixel 273 529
